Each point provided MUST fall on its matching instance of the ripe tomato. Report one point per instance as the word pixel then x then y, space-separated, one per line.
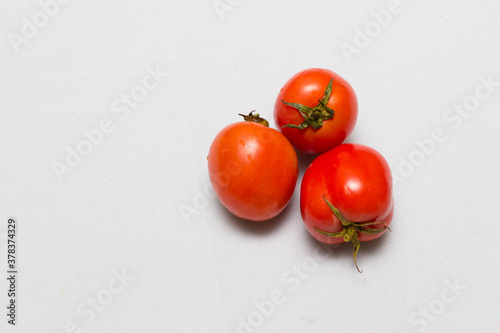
pixel 316 110
pixel 346 196
pixel 253 169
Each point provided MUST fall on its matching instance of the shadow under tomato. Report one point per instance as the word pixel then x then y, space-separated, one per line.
pixel 259 228
pixel 304 161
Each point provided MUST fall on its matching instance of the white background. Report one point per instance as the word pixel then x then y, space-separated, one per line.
pixel 139 203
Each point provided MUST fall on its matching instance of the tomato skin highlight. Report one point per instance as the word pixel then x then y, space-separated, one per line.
pixel 253 170
pixel 307 87
pixel 357 180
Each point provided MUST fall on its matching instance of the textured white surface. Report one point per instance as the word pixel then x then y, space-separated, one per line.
pixel 120 211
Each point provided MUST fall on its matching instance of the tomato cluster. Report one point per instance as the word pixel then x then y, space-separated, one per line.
pixel 346 192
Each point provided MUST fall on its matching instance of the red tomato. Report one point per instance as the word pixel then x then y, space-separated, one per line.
pixel 314 116
pixel 253 169
pixel 346 196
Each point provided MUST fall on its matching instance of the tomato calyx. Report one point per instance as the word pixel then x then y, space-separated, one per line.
pixel 350 231
pixel 314 117
pixel 255 118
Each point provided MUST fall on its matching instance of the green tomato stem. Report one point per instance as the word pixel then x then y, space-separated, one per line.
pixel 350 230
pixel 314 117
pixel 255 118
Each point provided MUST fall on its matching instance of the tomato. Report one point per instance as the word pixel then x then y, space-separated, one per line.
pixel 316 110
pixel 253 169
pixel 346 196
